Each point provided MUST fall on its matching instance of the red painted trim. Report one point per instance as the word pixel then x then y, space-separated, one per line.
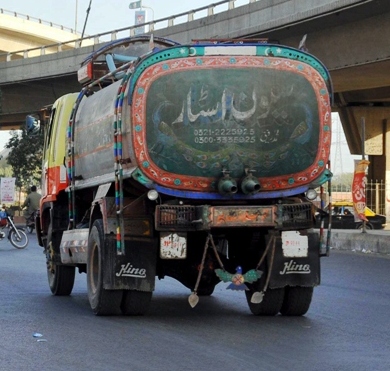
pixel 190 183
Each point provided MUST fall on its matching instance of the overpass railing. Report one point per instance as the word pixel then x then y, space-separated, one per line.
pixel 147 27
pixel 38 20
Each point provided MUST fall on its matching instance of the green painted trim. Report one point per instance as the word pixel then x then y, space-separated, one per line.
pixel 263 50
pixel 294 54
pixel 163 55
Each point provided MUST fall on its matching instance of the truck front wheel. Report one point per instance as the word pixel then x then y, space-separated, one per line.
pixel 102 301
pixel 60 277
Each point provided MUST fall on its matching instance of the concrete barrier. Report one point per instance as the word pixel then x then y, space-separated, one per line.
pixel 372 241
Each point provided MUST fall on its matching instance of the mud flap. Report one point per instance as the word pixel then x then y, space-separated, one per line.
pixel 136 270
pixel 298 266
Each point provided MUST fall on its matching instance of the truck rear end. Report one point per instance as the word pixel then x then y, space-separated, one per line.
pixel 197 162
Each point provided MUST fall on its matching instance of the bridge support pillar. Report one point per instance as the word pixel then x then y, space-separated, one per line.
pixel 387 169
pixel 376 144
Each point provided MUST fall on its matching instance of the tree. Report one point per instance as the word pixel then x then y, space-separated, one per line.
pixel 25 157
pixel 5 168
pixel 342 181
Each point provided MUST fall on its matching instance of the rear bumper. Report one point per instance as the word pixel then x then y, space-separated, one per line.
pixel 205 217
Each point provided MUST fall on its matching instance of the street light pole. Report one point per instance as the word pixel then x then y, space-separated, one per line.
pixel 75 18
pixel 148 7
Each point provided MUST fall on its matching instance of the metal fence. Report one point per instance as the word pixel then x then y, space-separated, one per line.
pixel 375 194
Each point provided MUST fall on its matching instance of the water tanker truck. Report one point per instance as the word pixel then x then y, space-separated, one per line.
pixel 198 162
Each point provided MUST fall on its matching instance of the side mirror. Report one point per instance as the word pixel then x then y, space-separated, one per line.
pixel 33 124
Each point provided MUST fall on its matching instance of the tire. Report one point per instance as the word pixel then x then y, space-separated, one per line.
pixel 368 226
pixel 297 301
pixel 61 279
pixel 136 303
pixel 30 229
pixel 19 241
pixel 205 290
pixel 270 305
pixel 103 302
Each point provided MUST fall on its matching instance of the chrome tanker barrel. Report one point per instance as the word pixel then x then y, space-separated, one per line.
pixel 94 132
pixel 94 138
pixel 213 121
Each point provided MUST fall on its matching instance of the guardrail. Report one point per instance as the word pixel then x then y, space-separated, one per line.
pixel 148 27
pixel 38 20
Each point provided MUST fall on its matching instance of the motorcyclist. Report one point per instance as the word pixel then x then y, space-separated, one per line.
pixel 31 202
pixel 3 219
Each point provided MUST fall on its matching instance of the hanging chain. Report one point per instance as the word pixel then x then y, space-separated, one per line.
pixel 206 245
pixel 71 133
pixel 118 168
pixel 271 263
pixel 216 252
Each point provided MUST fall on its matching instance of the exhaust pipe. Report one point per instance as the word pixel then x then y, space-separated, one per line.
pixel 227 185
pixel 250 184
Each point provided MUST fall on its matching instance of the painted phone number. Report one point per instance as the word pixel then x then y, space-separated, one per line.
pixel 224 136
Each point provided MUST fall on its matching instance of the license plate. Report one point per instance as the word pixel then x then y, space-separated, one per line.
pixel 294 245
pixel 173 245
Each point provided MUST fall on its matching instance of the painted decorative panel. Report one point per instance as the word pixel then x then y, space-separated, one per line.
pixel 194 118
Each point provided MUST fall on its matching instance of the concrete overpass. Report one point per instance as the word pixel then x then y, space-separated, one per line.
pixel 22 36
pixel 19 32
pixel 349 36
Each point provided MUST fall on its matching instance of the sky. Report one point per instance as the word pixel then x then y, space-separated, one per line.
pixel 107 15
pixel 104 15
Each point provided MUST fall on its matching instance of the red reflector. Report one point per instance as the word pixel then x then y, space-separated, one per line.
pixel 84 74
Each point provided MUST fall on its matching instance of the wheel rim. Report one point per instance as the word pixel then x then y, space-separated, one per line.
pixel 21 241
pixel 94 269
pixel 52 276
pixel 50 266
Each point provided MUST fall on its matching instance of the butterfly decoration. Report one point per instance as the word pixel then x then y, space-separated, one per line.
pixel 238 279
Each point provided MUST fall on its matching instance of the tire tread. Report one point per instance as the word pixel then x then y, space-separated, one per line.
pixel 271 304
pixel 297 301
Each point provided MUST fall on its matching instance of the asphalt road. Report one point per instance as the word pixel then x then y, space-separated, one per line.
pixel 346 328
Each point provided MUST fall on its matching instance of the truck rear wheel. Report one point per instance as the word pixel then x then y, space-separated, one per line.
pixel 205 290
pixel 136 303
pixel 103 302
pixel 270 305
pixel 297 301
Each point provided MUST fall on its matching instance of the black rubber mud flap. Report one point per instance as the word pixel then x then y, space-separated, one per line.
pixel 136 270
pixel 296 271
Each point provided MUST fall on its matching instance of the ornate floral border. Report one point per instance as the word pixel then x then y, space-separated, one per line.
pixel 190 183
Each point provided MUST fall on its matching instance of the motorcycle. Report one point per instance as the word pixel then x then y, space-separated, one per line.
pixel 30 221
pixel 17 236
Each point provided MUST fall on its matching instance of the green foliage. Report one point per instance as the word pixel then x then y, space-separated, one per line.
pixel 5 169
pixel 25 157
pixel 344 179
